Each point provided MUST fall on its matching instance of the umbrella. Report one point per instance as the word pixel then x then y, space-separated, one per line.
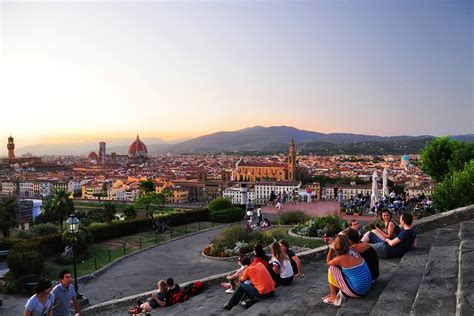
pixel 385 187
pixel 374 197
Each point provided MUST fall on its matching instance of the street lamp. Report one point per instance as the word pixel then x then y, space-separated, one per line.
pixel 72 224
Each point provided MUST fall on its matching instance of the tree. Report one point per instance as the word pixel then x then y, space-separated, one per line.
pixel 219 203
pixel 109 211
pixel 129 212
pixel 146 186
pixel 8 214
pixel 59 206
pixel 443 155
pixel 145 200
pixel 456 190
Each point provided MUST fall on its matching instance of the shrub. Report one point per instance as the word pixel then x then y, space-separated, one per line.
pixel 219 204
pixel 234 240
pixel 7 243
pixel 83 239
pixel 331 224
pixel 227 215
pixel 44 229
pixel 178 218
pixel 24 261
pixel 292 217
pixel 22 234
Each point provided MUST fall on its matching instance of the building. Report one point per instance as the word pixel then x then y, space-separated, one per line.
pixel 261 192
pixel 137 153
pixel 263 171
pixel 348 191
pixel 11 148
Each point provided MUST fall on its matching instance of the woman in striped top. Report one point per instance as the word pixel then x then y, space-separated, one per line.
pixel 347 271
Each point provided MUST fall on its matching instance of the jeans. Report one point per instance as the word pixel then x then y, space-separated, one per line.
pixel 250 290
pixel 373 238
pixel 378 247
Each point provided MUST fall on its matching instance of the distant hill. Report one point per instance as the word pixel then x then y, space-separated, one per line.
pixel 277 138
pixel 256 140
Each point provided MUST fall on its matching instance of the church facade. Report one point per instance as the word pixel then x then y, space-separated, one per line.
pixel 262 171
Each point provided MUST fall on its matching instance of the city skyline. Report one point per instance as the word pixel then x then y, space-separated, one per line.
pixel 82 70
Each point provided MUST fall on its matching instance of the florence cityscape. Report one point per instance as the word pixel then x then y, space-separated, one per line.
pixel 231 157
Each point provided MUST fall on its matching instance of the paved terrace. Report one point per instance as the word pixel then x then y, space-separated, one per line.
pixel 436 278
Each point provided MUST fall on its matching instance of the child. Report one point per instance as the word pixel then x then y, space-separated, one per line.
pixel 233 278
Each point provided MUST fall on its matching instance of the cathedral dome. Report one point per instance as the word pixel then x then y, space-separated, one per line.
pixel 137 149
pixel 92 156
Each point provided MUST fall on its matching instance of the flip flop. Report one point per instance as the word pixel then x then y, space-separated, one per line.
pixel 328 302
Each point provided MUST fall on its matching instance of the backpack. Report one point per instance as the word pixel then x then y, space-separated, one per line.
pixel 191 289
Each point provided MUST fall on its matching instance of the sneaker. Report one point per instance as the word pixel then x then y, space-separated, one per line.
pixel 247 303
pixel 227 307
pixel 229 291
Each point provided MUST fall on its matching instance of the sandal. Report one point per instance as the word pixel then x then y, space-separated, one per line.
pixel 326 301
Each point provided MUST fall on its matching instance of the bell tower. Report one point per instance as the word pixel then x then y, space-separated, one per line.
pixel 11 148
pixel 292 161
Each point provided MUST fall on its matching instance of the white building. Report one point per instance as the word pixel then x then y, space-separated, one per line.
pixel 260 192
pixel 26 188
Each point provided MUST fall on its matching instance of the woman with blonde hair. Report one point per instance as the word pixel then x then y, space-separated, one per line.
pixel 281 265
pixel 347 273
pixel 159 298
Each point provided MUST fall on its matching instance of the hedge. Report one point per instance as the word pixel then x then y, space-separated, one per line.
pixel 7 243
pixel 119 229
pixel 184 217
pixel 228 215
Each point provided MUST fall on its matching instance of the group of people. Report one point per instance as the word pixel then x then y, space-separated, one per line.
pixel 49 301
pixel 161 298
pixel 258 279
pixel 352 259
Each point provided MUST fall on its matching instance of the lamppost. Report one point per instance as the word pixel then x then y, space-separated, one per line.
pixel 72 224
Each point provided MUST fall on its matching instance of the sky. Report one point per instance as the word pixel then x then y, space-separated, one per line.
pixel 71 70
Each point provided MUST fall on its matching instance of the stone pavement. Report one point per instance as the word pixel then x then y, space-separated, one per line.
pixel 180 259
pixel 436 278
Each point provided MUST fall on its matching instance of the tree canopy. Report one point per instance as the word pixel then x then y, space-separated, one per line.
pixel 442 156
pixel 8 214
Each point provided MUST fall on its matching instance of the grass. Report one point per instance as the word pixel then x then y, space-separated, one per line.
pixel 99 252
pixel 282 233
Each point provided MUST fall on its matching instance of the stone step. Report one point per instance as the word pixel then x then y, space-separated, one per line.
pixel 398 295
pixel 465 304
pixel 437 292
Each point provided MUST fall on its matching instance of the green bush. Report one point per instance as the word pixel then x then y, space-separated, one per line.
pixel 331 224
pixel 82 240
pixel 219 204
pixel 292 217
pixel 44 229
pixel 231 235
pixel 178 218
pixel 22 234
pixel 46 245
pixel 227 215
pixel 7 243
pixel 24 261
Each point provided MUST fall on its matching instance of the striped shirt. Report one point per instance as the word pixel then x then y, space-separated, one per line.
pixel 358 277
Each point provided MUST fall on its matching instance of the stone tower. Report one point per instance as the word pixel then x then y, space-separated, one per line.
pixel 102 153
pixel 11 148
pixel 292 161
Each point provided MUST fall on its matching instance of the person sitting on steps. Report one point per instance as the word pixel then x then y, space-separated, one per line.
pixel 393 248
pixel 261 286
pixel 378 234
pixel 366 251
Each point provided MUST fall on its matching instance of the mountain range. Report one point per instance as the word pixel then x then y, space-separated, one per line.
pixel 257 139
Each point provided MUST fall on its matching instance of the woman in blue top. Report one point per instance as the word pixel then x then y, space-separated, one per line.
pixel 40 304
pixel 347 271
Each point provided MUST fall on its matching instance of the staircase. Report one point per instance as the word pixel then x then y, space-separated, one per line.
pixel 436 278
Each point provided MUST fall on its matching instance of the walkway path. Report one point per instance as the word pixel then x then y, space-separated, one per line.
pixel 180 259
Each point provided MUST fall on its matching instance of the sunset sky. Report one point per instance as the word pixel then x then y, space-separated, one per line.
pixel 71 70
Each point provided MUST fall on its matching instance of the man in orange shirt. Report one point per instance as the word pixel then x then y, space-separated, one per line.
pixel 261 285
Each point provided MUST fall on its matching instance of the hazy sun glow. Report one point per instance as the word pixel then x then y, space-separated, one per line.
pixel 78 70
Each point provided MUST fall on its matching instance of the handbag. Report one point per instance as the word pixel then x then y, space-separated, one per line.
pixel 340 299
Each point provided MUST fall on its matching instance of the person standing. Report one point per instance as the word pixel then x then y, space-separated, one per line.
pixel 64 293
pixel 40 304
pixel 259 216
